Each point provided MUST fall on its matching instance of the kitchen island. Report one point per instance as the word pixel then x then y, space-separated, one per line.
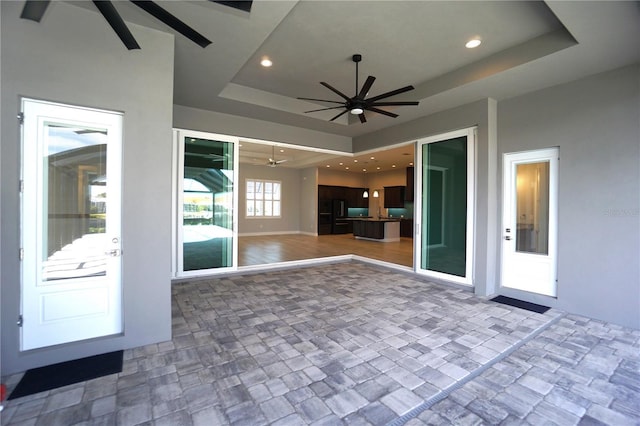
pixel 383 230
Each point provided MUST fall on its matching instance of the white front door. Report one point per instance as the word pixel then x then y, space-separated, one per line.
pixel 529 221
pixel 71 208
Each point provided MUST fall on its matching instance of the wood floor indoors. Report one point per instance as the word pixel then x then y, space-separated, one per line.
pixel 258 250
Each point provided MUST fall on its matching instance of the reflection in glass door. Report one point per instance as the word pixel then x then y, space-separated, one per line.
pixel 445 180
pixel 206 237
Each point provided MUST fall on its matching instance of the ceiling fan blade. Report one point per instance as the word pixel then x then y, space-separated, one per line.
pixel 391 93
pixel 161 14
pixel 281 161
pixel 366 86
pixel 381 111
pixel 336 91
pixel 343 112
pixel 391 103
pixel 321 100
pixel 113 18
pixel 324 109
pixel 34 9
pixel 362 118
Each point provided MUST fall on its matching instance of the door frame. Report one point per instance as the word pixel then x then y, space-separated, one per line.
pixel 471 134
pixel 509 187
pixel 177 175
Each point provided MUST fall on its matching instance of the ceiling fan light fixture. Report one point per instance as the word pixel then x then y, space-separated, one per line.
pixel 356 111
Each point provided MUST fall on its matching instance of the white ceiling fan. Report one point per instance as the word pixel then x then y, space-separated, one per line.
pixel 272 160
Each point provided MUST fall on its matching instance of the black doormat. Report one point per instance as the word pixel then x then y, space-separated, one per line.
pixel 67 373
pixel 521 304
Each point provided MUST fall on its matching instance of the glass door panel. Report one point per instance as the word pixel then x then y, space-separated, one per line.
pixel 206 236
pixel 75 197
pixel 445 212
pixel 532 208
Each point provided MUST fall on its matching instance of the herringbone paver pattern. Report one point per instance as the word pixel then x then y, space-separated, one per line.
pixel 352 343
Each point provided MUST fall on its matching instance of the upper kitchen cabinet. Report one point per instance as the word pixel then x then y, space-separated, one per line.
pixel 394 196
pixel 408 192
pixel 329 192
pixel 355 198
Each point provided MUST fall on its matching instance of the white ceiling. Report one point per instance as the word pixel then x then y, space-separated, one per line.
pixel 527 45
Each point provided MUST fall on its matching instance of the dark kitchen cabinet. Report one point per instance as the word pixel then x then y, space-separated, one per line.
pixel 368 229
pixel 355 199
pixel 325 192
pixel 406 228
pixel 408 191
pixel 394 196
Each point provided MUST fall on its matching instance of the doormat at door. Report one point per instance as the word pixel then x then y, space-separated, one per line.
pixel 521 304
pixel 67 373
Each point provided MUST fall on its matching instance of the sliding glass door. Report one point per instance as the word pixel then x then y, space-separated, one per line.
pixel 206 203
pixel 444 211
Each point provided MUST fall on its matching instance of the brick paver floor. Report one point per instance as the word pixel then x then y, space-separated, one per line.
pixel 353 343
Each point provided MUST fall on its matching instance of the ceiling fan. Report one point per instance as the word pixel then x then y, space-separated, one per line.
pixel 359 103
pixel 34 10
pixel 272 160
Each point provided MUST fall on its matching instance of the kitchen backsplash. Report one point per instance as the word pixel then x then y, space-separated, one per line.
pixel 406 212
pixel 354 211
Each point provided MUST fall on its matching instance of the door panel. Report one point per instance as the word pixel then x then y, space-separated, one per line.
pixel 530 221
pixel 444 214
pixel 206 203
pixel 71 271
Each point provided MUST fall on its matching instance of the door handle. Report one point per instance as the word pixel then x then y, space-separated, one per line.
pixel 113 253
pixel 508 238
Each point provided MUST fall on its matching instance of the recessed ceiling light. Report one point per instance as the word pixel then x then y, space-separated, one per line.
pixel 347 167
pixel 282 150
pixel 266 62
pixel 341 164
pixel 328 165
pixel 411 164
pixel 355 161
pixel 474 42
pixel 373 158
pixel 364 170
pixel 378 168
pixel 393 165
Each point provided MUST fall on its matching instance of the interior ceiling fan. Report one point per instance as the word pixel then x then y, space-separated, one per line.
pixel 272 160
pixel 359 103
pixel 34 10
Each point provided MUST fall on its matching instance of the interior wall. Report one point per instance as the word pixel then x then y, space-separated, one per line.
pixel 309 201
pixel 291 207
pixel 69 57
pixel 595 122
pixel 340 178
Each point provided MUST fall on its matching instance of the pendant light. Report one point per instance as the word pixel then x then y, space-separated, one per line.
pixel 365 194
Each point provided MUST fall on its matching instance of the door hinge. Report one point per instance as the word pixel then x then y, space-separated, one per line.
pixel 20 117
pixel 21 186
pixel 20 321
pixel 21 254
